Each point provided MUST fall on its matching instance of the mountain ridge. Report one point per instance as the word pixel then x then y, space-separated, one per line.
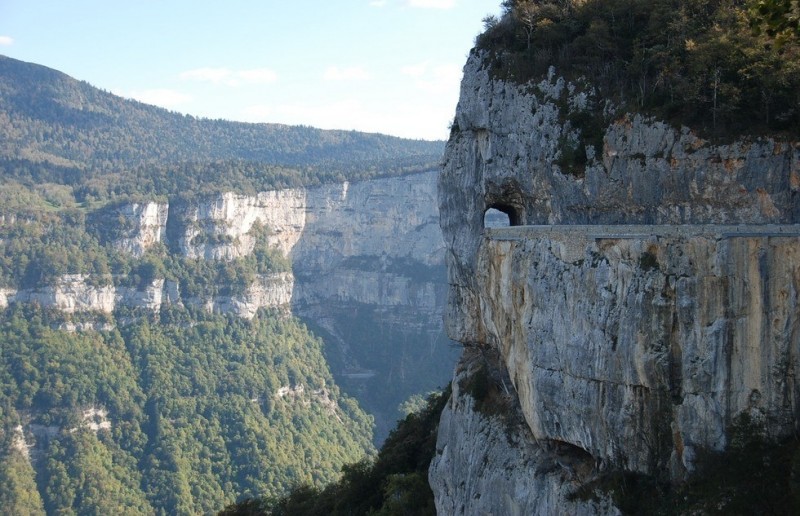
pixel 50 118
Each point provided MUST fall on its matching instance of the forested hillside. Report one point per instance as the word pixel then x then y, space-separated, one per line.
pixel 179 413
pixel 55 129
pixel 149 407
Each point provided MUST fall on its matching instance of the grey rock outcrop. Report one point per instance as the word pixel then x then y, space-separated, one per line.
pixel 142 225
pixel 393 218
pixel 502 468
pixel 372 243
pixel 371 279
pixel 70 294
pixel 73 294
pixel 636 344
pixel 5 294
pixel 267 291
pixel 644 349
pixel 368 260
pixel 149 298
pixel 504 150
pixel 220 227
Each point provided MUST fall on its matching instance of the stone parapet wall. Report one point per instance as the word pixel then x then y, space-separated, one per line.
pixel 643 231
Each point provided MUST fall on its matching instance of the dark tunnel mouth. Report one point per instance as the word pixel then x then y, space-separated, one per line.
pixel 512 212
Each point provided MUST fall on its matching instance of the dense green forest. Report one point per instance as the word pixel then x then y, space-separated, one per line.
pixel 200 409
pixel 395 482
pixel 203 409
pixel 721 67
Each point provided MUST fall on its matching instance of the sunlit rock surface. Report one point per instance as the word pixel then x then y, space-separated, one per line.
pixel 143 225
pixel 634 344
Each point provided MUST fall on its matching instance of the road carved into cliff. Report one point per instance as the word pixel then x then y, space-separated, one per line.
pixel 643 231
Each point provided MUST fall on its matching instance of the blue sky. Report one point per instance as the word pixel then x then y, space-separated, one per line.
pixel 390 66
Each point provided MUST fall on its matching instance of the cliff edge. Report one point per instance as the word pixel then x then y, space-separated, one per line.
pixel 630 315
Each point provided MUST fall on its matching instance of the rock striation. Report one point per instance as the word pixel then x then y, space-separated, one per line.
pixel 70 294
pixel 644 349
pixel 372 243
pixel 503 153
pixel 267 291
pixel 657 300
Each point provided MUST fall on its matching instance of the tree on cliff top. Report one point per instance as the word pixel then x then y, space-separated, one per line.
pixel 780 19
pixel 725 67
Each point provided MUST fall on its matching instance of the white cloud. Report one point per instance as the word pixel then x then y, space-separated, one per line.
pixel 434 79
pixel 215 75
pixel 228 77
pixel 6 41
pixel 159 96
pixel 415 70
pixel 258 76
pixel 352 73
pixel 432 4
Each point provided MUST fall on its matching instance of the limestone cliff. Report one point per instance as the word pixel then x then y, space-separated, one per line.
pixel 143 226
pixel 660 301
pixel 219 227
pixel 367 262
pixel 78 293
pixel 503 153
pixel 368 266
pixel 502 468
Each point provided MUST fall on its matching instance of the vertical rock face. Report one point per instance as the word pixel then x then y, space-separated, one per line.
pixel 319 227
pixel 368 265
pixel 376 244
pixel 636 344
pixel 394 219
pixel 143 225
pixel 371 279
pixel 220 228
pixel 503 152
pixel 642 349
pixel 370 243
pixel 269 290
pixel 76 293
pixel 150 297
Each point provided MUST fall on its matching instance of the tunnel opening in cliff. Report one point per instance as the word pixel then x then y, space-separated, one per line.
pixel 501 215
